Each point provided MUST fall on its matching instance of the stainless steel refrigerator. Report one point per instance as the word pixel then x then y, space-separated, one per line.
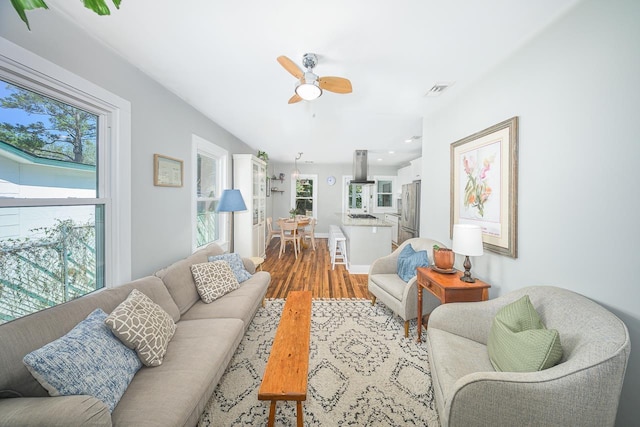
pixel 409 225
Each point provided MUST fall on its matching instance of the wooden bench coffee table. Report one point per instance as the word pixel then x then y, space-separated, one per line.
pixel 285 376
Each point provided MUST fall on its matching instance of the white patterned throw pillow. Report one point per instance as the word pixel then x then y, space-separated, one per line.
pixel 144 326
pixel 87 360
pixel 214 279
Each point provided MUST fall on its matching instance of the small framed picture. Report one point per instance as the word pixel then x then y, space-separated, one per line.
pixel 167 171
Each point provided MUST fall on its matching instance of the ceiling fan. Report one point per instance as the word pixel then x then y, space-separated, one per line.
pixel 309 85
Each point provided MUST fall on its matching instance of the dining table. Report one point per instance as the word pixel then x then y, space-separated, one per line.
pixel 303 222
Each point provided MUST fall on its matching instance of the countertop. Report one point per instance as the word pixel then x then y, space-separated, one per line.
pixel 360 222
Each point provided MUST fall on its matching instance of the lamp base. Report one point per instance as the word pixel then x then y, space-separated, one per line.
pixel 467 271
pixel 468 278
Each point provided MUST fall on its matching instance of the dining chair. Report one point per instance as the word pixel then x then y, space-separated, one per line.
pixel 289 233
pixel 309 233
pixel 272 231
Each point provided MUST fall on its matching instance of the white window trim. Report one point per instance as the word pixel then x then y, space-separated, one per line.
pixel 366 197
pixel 314 196
pixel 20 65
pixel 200 144
pixel 393 208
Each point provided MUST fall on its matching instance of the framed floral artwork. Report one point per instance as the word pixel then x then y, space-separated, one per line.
pixel 484 185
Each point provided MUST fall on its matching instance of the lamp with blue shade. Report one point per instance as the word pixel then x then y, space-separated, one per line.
pixel 231 201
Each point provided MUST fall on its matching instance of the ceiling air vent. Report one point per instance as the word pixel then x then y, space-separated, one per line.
pixel 438 88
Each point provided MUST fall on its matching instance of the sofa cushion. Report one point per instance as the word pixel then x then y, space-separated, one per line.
pixel 236 263
pixel 176 392
pixel 519 342
pixel 452 357
pixel 391 283
pixel 87 360
pixel 239 304
pixel 409 260
pixel 178 278
pixel 143 326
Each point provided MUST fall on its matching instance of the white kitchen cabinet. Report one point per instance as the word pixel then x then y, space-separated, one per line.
pixel 250 177
pixel 416 169
pixel 393 219
pixel 404 177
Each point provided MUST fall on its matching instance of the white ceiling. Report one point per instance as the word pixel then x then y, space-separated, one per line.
pixel 220 57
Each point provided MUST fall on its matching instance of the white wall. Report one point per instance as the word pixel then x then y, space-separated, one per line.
pixel 161 123
pixel 576 90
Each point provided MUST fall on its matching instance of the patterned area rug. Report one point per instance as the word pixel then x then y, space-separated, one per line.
pixel 362 371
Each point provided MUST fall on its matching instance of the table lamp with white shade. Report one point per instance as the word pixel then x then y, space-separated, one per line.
pixel 231 201
pixel 467 241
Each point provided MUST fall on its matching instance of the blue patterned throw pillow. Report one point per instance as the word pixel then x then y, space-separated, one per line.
pixel 236 264
pixel 409 260
pixel 89 360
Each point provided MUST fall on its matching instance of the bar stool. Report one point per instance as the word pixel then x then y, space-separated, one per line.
pixel 333 230
pixel 339 251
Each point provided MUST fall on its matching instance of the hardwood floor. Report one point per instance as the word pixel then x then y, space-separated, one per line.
pixel 311 272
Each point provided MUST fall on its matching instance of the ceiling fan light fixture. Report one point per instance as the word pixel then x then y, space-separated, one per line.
pixel 308 90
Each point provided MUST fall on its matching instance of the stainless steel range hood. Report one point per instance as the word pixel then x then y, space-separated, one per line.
pixel 360 168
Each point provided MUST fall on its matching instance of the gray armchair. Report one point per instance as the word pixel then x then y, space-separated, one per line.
pixel 582 390
pixel 400 296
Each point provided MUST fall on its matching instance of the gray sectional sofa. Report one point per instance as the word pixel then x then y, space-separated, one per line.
pixel 172 394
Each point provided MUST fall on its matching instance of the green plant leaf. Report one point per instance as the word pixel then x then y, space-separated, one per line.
pixel 116 3
pixel 98 6
pixel 21 5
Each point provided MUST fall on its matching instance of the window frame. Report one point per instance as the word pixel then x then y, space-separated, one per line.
pixel 314 196
pixel 24 68
pixel 384 209
pixel 366 197
pixel 203 146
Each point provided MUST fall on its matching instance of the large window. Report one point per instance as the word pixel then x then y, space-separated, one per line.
pixel 210 180
pixel 305 195
pixel 59 144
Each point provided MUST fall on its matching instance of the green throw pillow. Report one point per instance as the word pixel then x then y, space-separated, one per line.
pixel 519 342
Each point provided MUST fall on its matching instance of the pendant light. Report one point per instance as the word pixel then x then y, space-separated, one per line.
pixel 296 172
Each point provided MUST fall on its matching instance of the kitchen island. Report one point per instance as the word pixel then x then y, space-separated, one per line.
pixel 367 240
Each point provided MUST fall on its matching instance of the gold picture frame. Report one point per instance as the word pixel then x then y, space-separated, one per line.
pixel 484 185
pixel 167 171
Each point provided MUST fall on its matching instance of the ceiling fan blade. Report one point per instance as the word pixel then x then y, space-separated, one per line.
pixel 335 84
pixel 295 98
pixel 290 66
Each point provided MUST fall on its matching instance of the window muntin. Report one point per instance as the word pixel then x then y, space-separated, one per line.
pixel 384 193
pixel 51 253
pixel 356 197
pixel 210 177
pixel 305 195
pixel 385 198
pixel 108 176
pixel 207 198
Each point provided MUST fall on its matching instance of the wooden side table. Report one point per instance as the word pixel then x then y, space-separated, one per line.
pixel 448 288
